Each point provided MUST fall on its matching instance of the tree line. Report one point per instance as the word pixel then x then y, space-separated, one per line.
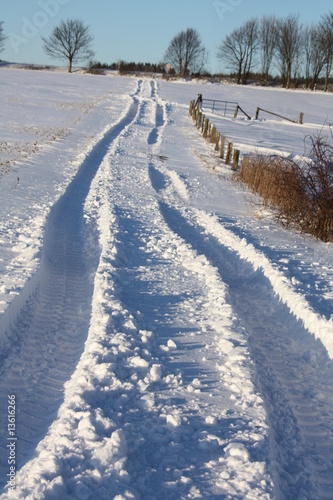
pixel 284 45
pixel 296 51
pixel 270 43
pixel 125 67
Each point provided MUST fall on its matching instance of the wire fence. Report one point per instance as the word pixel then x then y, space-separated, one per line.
pixel 220 107
pixel 223 108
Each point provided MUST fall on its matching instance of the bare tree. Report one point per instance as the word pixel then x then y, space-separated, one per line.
pixel 315 53
pixel 70 40
pixel 186 53
pixel 2 37
pixel 239 48
pixel 289 48
pixel 231 52
pixel 326 29
pixel 268 40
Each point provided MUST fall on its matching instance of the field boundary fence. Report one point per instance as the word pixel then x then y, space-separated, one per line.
pixel 223 147
pixel 221 107
pixel 300 121
pixel 202 106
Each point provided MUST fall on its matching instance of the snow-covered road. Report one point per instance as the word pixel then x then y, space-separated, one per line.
pixel 166 345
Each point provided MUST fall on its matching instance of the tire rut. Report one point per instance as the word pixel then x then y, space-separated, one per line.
pixel 294 371
pixel 47 336
pixel 152 289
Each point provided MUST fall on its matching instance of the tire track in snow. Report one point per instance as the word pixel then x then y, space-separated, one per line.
pixel 128 426
pixel 294 370
pixel 43 331
pixel 154 273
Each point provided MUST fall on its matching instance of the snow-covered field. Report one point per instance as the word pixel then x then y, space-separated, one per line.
pixel 160 335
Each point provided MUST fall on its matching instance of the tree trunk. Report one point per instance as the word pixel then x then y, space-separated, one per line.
pixel 239 76
pixel 326 80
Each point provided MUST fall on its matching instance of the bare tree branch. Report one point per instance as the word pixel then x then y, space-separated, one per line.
pixel 326 28
pixel 186 52
pixel 70 40
pixel 314 55
pixel 239 48
pixel 268 40
pixel 289 47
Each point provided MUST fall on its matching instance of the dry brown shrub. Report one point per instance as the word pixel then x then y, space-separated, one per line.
pixel 301 192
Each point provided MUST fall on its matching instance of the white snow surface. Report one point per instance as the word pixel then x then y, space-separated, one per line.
pixel 163 336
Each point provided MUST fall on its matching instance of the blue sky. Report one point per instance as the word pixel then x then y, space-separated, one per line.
pixel 138 30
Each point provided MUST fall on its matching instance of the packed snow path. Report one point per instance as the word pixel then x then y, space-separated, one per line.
pixel 50 330
pixel 152 358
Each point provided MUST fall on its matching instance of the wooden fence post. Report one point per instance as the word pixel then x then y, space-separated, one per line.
pixel 209 131
pixel 199 120
pixel 229 153
pixel 235 160
pixel 203 123
pixel 206 128
pixel 222 147
pixel 236 112
pixel 257 113
pixel 217 143
pixel 301 116
pixel 213 135
pixel 192 106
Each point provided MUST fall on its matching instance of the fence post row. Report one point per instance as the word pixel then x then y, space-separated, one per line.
pixel 212 135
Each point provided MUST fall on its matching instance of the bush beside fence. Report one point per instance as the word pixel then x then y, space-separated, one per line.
pixel 300 192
